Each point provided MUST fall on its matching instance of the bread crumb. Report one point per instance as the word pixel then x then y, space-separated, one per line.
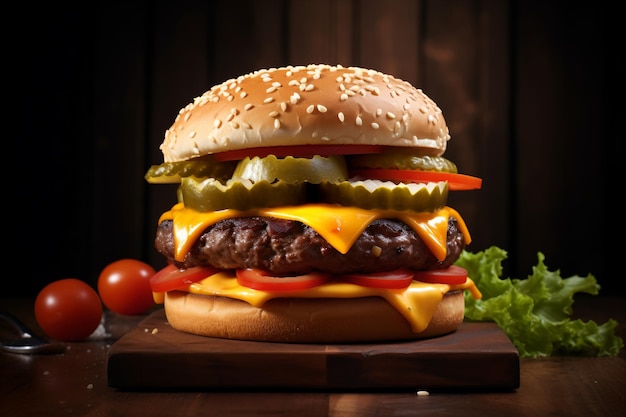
pixel 89 386
pixel 155 330
pixel 422 393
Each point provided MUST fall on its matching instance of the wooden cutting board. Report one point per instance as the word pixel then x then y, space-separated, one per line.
pixel 155 356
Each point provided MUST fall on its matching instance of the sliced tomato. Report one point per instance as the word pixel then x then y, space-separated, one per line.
pixel 455 181
pixel 451 275
pixel 171 278
pixel 261 280
pixel 400 278
pixel 298 151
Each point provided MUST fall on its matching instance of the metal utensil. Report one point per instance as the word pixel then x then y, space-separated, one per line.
pixel 28 342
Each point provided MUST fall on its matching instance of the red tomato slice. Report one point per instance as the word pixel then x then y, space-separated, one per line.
pixel 451 275
pixel 394 279
pixel 260 280
pixel 301 151
pixel 455 181
pixel 171 278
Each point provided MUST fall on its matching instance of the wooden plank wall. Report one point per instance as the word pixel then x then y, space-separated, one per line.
pixel 523 86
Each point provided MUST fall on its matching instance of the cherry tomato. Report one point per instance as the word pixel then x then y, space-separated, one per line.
pixel 393 279
pixel 456 182
pixel 124 286
pixel 68 310
pixel 451 275
pixel 298 151
pixel 171 278
pixel 260 280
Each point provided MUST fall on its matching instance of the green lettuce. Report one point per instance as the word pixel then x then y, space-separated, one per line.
pixel 535 312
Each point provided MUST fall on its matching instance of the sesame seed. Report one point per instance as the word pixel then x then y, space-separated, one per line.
pixel 234 125
pixel 295 97
pixel 375 125
pixel 243 94
pixel 310 109
pixel 248 106
pixel 187 116
pixel 274 113
pixel 341 117
pixel 283 106
pixel 321 108
pixel 276 124
pixel 247 125
pixel 192 134
pixel 379 112
pixel 390 115
pixel 230 117
pixel 359 121
pixel 268 100
pixel 217 123
pixel 344 97
pixel 271 89
pixel 423 110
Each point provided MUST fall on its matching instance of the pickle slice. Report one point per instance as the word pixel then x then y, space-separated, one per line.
pixel 173 172
pixel 402 158
pixel 293 170
pixel 210 194
pixel 376 194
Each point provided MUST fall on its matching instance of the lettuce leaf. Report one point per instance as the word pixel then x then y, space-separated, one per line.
pixel 535 312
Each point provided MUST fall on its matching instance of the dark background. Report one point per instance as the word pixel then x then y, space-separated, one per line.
pixel 525 87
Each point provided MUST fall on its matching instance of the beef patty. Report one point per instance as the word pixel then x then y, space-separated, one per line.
pixel 287 247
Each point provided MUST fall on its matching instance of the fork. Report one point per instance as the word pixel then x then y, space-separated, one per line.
pixel 28 342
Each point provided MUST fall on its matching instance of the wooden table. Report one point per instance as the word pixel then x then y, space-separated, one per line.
pixel 75 383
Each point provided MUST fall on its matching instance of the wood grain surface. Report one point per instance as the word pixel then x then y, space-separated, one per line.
pixel 154 355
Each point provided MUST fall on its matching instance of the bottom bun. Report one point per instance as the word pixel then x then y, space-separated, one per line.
pixel 305 320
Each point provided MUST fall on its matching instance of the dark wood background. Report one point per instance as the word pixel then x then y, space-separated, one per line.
pixel 525 87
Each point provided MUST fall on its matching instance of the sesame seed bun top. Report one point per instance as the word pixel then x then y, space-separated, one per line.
pixel 306 105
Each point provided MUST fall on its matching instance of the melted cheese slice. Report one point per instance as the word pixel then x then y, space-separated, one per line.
pixel 417 302
pixel 340 226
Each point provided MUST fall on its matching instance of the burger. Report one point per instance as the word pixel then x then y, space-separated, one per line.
pixel 311 208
